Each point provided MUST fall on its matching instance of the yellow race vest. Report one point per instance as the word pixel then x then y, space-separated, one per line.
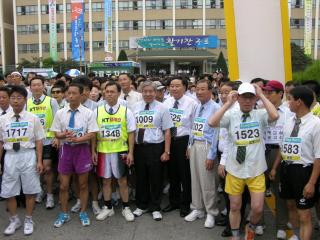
pixel 112 136
pixel 44 113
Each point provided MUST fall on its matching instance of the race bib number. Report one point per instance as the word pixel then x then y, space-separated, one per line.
pixel 110 132
pixel 42 118
pixel 248 133
pixel 274 135
pixel 77 132
pixel 198 126
pixel 145 119
pixel 291 149
pixel 17 132
pixel 176 116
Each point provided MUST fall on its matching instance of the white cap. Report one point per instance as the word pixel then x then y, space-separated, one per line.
pixel 16 73
pixel 246 88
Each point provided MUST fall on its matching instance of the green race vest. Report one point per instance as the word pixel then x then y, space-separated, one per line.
pixel 44 113
pixel 112 136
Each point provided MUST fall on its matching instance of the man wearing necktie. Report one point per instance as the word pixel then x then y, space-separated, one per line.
pixel 182 109
pixel 75 126
pixel 300 162
pixel 152 149
pixel 245 164
pixel 21 135
pixel 202 150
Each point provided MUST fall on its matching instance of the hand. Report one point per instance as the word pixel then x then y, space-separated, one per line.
pixel 259 91
pixel 272 174
pixel 232 97
pixel 188 153
pixel 221 171
pixel 55 143
pixel 164 157
pixel 94 157
pixel 308 190
pixel 39 167
pixel 209 164
pixel 130 159
pixel 68 134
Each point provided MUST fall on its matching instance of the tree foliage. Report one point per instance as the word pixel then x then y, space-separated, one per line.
pixel 122 56
pixel 222 64
pixel 299 59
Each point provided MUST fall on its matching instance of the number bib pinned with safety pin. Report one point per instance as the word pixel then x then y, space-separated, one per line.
pixel 110 132
pixel 198 126
pixel 248 133
pixel 77 132
pixel 176 116
pixel 17 132
pixel 145 119
pixel 291 149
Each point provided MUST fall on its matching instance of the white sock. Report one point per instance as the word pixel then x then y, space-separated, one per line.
pixel 49 195
pixel 95 204
pixel 78 200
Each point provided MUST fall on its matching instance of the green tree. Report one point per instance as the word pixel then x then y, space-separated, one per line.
pixel 122 56
pixel 299 60
pixel 222 64
pixel 312 72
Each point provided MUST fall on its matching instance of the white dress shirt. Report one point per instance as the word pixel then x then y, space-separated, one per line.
pixel 183 116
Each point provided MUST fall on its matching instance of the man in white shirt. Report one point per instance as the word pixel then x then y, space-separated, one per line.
pixel 182 109
pixel 274 91
pixel 21 135
pixel 246 157
pixel 300 161
pixel 127 93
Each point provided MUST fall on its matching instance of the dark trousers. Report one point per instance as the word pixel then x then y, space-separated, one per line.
pixel 179 174
pixel 149 175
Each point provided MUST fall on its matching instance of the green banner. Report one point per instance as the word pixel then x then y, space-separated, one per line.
pixel 53 30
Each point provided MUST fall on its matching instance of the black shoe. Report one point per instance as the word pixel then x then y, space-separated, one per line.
pixel 169 208
pixel 226 233
pixel 222 221
pixel 184 212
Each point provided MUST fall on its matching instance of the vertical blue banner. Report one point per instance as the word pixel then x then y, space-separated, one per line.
pixel 77 26
pixel 108 26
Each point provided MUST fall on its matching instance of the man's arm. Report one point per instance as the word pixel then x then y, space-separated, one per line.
pixel 214 120
pixel 167 141
pixel 130 159
pixel 309 188
pixel 271 109
pixel 39 146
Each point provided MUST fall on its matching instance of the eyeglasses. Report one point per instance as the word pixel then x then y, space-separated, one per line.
pixel 55 92
pixel 16 98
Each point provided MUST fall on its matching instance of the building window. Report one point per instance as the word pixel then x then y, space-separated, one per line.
pixel 211 23
pixel 28 48
pixel 297 3
pixel 60 27
pixel 189 24
pixel 45 47
pixel 124 44
pixel 27 29
pixel 125 5
pixel 210 3
pixel 44 9
pixel 124 25
pixel 222 24
pixel 299 42
pixel 97 7
pixel 296 23
pixel 97 45
pixel 27 10
pixel 21 10
pixel 97 26
pixel 68 7
pixel 60 8
pixel 223 43
pixel 45 28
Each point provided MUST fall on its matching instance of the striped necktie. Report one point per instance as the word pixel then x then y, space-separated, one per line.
pixel 242 150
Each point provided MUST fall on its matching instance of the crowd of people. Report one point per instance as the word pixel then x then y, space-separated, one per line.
pixel 133 138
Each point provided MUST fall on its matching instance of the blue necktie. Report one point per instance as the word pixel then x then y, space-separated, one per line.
pixel 71 121
pixel 110 111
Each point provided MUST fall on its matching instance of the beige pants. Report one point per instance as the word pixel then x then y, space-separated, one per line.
pixel 203 182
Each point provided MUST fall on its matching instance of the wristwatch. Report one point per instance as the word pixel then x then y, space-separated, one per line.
pixel 167 153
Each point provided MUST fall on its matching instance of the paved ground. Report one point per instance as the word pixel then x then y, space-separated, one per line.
pixel 116 228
